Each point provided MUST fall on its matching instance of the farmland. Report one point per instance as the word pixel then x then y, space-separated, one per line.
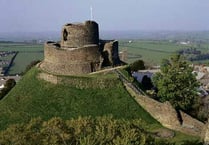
pixel 26 54
pixel 152 52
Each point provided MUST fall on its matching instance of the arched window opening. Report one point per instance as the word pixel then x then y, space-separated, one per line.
pixel 65 34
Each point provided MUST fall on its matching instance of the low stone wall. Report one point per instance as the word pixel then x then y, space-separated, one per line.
pixel 48 77
pixel 167 115
pixel 163 112
pixel 79 81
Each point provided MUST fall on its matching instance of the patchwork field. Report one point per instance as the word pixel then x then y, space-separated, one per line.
pixel 152 52
pixel 26 54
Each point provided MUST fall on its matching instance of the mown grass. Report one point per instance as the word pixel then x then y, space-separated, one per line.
pixel 36 98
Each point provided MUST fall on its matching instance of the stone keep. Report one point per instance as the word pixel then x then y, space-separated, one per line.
pixel 78 35
pixel 77 53
pixel 80 51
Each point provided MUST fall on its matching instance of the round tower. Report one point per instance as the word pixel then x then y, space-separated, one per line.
pixel 77 53
pixel 78 35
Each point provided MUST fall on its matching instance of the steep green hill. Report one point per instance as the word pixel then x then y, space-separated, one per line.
pixel 33 97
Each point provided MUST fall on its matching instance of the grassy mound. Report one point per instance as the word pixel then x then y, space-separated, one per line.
pixel 33 98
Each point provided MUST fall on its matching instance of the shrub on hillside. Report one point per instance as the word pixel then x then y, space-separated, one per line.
pixel 102 130
pixel 10 83
pixel 147 83
pixel 137 65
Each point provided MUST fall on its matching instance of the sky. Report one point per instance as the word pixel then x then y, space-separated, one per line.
pixel 119 15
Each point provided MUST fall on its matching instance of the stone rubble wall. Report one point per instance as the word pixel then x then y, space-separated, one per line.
pixel 112 49
pixel 79 81
pixel 167 115
pixel 190 123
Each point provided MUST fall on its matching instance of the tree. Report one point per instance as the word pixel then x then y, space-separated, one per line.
pixel 10 83
pixel 147 83
pixel 137 65
pixel 176 83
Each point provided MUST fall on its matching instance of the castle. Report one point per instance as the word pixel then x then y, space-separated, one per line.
pixel 80 51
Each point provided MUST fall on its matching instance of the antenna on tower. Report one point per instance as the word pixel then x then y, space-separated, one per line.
pixel 91 11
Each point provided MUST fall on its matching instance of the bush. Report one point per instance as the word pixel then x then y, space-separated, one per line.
pixel 10 83
pixel 176 83
pixel 137 65
pixel 147 83
pixel 85 131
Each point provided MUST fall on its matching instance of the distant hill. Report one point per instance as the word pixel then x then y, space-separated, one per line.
pixel 194 36
pixel 202 36
pixel 37 98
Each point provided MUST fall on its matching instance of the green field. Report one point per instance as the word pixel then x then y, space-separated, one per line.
pixel 27 53
pixel 152 52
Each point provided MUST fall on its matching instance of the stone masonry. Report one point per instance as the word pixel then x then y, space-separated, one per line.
pixel 80 51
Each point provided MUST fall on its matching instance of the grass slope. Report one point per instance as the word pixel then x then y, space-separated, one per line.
pixel 33 98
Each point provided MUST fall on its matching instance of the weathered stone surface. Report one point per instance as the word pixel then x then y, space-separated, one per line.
pixel 78 35
pixel 70 61
pixel 109 51
pixel 192 125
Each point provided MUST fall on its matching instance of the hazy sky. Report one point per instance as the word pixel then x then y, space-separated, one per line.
pixel 51 15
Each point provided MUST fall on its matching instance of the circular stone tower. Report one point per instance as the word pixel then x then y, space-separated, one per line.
pixel 77 53
pixel 78 35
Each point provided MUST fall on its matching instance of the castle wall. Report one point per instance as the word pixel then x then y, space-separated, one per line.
pixel 167 115
pixel 112 48
pixel 192 124
pixel 109 49
pixel 78 35
pixel 73 61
